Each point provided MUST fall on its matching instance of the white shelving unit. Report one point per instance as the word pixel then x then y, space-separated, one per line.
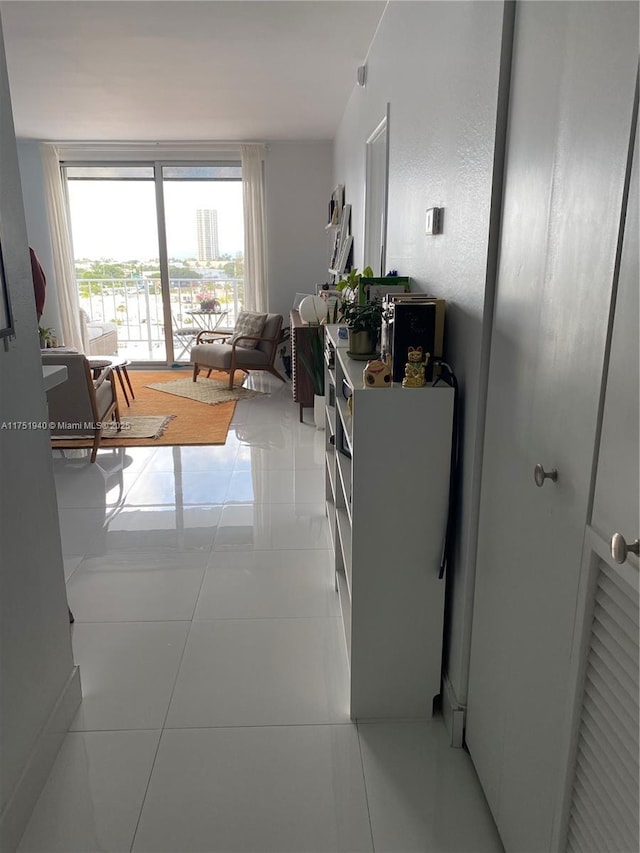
pixel 387 484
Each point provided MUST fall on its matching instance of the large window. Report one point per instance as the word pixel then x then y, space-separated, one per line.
pixel 158 252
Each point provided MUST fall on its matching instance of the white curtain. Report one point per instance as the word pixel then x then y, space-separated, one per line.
pixel 255 232
pixel 63 263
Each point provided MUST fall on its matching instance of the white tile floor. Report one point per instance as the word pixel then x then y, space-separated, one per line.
pixel 215 712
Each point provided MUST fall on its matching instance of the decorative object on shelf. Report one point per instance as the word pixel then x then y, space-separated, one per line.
pixel 335 206
pixel 414 376
pixel 383 285
pixel 347 393
pixel 377 373
pixel 342 242
pixel 313 310
pixel 364 323
pixel 343 257
pixel 333 300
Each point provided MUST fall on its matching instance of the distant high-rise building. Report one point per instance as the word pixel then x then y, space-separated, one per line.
pixel 208 248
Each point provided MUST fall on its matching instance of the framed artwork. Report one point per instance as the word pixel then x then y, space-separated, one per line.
pixel 335 205
pixel 345 223
pixel 345 250
pixel 335 252
pixel 6 318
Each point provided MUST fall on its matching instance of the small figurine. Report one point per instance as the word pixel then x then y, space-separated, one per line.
pixel 377 373
pixel 414 376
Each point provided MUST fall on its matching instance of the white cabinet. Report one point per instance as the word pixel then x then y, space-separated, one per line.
pixel 387 486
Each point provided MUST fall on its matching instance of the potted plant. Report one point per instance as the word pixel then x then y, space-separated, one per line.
pixel 313 363
pixel 352 284
pixel 364 323
pixel 47 337
pixel 209 303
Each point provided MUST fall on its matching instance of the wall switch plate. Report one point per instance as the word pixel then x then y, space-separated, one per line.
pixel 433 224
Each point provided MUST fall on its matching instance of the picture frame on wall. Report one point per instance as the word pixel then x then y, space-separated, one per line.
pixel 345 223
pixel 345 250
pixel 335 252
pixel 342 237
pixel 6 317
pixel 335 205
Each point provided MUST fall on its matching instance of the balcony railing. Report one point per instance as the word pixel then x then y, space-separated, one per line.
pixel 135 307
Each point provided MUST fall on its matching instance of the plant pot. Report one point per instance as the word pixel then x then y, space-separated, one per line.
pixel 319 411
pixel 360 343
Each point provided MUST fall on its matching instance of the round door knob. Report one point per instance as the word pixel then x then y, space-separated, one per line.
pixel 620 549
pixel 540 475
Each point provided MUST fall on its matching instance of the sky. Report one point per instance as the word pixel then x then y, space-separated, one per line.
pixel 117 219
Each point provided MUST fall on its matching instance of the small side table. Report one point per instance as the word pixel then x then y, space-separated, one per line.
pixel 119 367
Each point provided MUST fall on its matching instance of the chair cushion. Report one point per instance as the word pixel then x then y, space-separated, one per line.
pixel 248 323
pixel 218 356
pixel 104 398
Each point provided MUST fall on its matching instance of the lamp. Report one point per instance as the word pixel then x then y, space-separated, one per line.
pixel 313 310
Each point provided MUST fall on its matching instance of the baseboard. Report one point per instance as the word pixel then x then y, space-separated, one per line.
pixel 453 713
pixel 38 766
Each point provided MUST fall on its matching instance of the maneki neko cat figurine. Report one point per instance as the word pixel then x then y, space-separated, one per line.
pixel 414 376
pixel 377 373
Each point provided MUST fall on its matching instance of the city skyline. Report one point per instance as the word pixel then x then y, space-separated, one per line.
pixel 117 219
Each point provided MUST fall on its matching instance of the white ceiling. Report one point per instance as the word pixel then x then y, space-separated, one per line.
pixel 234 70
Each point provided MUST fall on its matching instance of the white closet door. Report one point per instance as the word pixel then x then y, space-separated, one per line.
pixel 604 802
pixel 573 81
pixel 603 811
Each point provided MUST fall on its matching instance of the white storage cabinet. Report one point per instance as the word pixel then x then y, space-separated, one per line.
pixel 387 488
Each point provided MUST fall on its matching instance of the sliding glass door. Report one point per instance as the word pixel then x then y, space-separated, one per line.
pixel 205 246
pixel 158 251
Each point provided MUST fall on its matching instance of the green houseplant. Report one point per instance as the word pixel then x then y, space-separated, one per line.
pixel 364 323
pixel 47 337
pixel 353 284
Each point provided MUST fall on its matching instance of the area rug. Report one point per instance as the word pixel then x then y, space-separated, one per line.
pixel 142 426
pixel 210 391
pixel 191 424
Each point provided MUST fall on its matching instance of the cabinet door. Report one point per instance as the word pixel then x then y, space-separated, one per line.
pixel 573 80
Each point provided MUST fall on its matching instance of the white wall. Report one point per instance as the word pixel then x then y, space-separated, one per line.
pixel 36 662
pixel 298 189
pixel 437 64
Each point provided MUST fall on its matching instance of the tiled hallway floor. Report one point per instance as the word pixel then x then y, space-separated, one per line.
pixel 214 674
